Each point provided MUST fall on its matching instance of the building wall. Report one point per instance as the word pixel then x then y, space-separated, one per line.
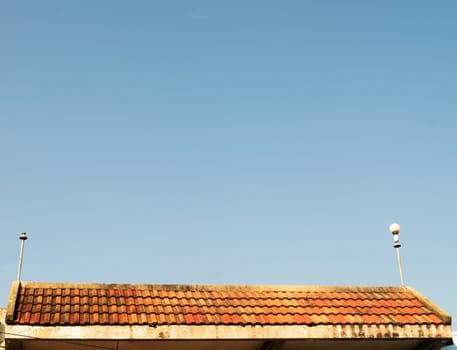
pixel 2 327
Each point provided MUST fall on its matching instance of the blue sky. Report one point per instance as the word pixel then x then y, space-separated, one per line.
pixel 229 142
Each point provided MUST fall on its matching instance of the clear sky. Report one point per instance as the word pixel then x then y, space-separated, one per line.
pixel 229 142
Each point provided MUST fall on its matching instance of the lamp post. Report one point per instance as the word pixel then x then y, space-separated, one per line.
pixel 23 238
pixel 395 230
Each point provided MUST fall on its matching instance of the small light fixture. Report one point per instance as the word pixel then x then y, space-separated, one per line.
pixel 395 230
pixel 23 238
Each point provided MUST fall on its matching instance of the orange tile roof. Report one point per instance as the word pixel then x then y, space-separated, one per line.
pixel 50 304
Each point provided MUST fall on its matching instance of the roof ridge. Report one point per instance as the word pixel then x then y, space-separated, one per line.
pixel 213 287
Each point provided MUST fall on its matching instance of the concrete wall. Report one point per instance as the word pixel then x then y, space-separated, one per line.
pixel 2 327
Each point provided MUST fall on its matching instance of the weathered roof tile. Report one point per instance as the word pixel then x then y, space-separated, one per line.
pixel 95 304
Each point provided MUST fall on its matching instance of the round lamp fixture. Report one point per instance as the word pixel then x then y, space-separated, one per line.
pixel 394 228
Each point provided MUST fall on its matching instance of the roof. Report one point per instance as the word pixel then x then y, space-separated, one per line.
pixel 65 304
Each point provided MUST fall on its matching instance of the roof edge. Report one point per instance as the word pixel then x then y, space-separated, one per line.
pixel 443 314
pixel 14 291
pixel 215 287
pixel 230 332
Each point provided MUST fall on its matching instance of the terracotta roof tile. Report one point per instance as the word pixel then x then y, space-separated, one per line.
pixel 70 304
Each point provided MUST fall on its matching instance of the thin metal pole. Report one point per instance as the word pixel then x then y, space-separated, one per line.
pixel 400 267
pixel 23 238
